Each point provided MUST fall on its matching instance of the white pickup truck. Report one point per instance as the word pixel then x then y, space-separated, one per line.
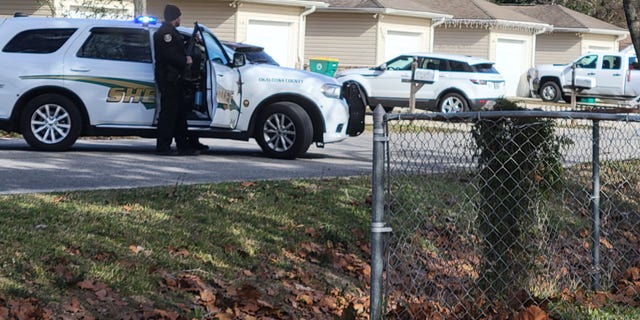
pixel 600 75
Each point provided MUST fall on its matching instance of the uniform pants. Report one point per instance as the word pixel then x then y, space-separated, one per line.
pixel 172 121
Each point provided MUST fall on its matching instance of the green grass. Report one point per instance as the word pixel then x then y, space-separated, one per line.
pixel 227 230
pixel 290 245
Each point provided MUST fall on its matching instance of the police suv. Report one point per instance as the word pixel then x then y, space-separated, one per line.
pixel 65 78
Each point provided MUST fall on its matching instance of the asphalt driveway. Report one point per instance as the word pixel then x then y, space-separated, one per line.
pixel 129 163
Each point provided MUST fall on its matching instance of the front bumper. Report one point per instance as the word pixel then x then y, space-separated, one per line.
pixel 354 96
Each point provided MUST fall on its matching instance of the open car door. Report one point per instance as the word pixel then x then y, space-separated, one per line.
pixel 223 84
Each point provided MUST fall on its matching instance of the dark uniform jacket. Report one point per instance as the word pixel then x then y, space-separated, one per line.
pixel 171 58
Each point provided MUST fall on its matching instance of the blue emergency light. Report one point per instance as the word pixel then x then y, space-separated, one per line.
pixel 146 20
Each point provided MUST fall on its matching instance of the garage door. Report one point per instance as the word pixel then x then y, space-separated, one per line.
pixel 599 49
pixel 274 37
pixel 399 42
pixel 510 62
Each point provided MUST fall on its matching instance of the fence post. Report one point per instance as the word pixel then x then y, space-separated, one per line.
pixel 595 208
pixel 377 214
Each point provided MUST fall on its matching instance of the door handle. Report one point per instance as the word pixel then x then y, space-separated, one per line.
pixel 80 69
pixel 616 74
pixel 591 74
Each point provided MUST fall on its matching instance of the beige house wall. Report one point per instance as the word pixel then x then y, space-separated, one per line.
pixel 351 38
pixel 474 42
pixel 557 48
pixel 218 16
pixel 9 7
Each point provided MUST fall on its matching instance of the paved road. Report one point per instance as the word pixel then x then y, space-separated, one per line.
pixel 125 163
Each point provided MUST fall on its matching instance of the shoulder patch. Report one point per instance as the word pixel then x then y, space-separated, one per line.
pixel 167 38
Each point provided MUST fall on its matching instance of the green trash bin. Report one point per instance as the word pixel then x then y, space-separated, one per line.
pixel 326 66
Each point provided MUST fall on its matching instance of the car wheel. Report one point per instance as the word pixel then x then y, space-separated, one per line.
pixel 452 103
pixel 285 131
pixel 550 92
pixel 50 122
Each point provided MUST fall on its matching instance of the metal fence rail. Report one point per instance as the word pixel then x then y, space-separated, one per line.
pixel 489 215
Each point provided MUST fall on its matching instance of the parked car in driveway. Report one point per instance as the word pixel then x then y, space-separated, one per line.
pixel 460 83
pixel 607 75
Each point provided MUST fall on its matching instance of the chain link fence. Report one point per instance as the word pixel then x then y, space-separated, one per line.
pixel 506 214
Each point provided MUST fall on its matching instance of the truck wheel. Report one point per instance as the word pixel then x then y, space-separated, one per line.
pixel 550 92
pixel 50 122
pixel 284 131
pixel 453 103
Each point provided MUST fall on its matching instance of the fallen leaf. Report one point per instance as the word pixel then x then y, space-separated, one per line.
pixel 631 274
pixel 606 243
pixel 135 248
pixel 305 298
pixel 532 313
pixel 73 305
pixel 248 184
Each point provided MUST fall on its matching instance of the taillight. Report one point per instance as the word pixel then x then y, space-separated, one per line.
pixel 480 82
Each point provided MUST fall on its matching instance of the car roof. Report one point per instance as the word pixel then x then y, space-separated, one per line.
pixel 458 57
pixel 74 22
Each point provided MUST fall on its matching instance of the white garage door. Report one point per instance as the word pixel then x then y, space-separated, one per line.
pixel 399 42
pixel 274 37
pixel 510 62
pixel 600 49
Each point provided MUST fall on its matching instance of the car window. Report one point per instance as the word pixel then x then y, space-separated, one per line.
pixel 214 51
pixel 587 62
pixel 459 66
pixel 611 62
pixel 400 63
pixel 122 44
pixel 39 40
pixel 431 63
pixel 484 68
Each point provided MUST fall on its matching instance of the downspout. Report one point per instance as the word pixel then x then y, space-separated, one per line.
pixel 433 32
pixel 301 35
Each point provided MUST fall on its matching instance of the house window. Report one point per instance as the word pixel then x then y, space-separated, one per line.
pixel 39 41
pixel 122 44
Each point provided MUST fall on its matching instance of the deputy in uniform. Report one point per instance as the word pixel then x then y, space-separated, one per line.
pixel 171 61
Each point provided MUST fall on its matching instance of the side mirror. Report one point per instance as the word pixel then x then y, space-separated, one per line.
pixel 239 59
pixel 383 67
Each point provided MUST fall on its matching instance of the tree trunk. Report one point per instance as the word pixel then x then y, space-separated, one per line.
pixel 631 11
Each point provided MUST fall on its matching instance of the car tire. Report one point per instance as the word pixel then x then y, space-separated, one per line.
pixel 452 103
pixel 550 92
pixel 284 130
pixel 51 122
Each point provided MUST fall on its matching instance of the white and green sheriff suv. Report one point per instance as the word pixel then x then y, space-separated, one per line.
pixel 65 78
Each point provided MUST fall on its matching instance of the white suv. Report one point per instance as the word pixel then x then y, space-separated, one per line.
pixel 459 83
pixel 65 78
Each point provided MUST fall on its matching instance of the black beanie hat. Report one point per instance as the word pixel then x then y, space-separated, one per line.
pixel 171 13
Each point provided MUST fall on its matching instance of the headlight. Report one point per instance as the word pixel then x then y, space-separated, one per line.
pixel 332 90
